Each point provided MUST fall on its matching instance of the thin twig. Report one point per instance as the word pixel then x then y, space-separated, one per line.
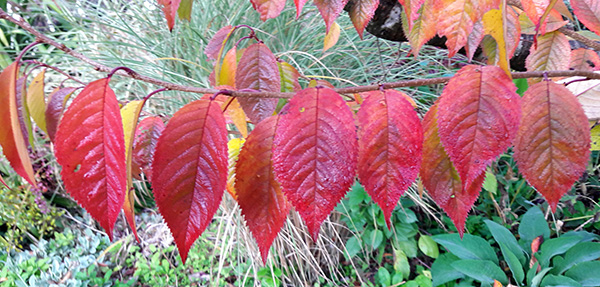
pixel 346 90
pixel 55 69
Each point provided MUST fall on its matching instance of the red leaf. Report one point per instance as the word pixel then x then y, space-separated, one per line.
pixel 14 147
pixel 299 4
pixel 55 109
pixel 23 111
pixel 588 12
pixel 552 147
pixel 553 52
pixel 214 48
pixel 258 192
pixel 584 59
pixel 478 117
pixel 330 10
pixel 90 146
pixel 441 179
pixel 258 70
pixel 268 9
pixel 361 13
pixel 146 136
pixel 170 9
pixel 456 23
pixel 390 146
pixel 189 172
pixel 315 153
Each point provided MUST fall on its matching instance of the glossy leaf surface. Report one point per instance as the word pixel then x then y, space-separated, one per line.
pixel 189 171
pixel 55 109
pixel 263 204
pixel 258 70
pixel 390 143
pixel 144 144
pixel 90 148
pixel 552 147
pixel 315 153
pixel 14 146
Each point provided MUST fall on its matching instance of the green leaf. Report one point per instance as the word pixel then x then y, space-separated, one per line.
pixel 513 262
pixel 469 247
pixel 531 273
pixel 582 252
pixel 383 277
pixel 353 246
pixel 484 271
pixel 535 282
pixel 504 237
pixel 428 246
pixel 556 246
pixel 401 263
pixel 408 246
pixel 442 271
pixel 522 86
pixel 585 273
pixel 423 281
pixel 559 281
pixel 490 183
pixel 533 224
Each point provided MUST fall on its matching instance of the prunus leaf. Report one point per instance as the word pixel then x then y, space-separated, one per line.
pixel 553 52
pixel 258 70
pixel 331 37
pixel 289 77
pixel 441 179
pixel 185 9
pixel 268 9
pixel 259 195
pixel 478 117
pixel 423 26
pixel 474 39
pixel 361 13
pixel 214 48
pixel 315 153
pixel 456 23
pixel 553 22
pixel 170 7
pixel 534 9
pixel 552 147
pixel 90 147
pixel 299 4
pixel 225 71
pixel 389 147
pixel 189 171
pixel 330 10
pixel 36 103
pixel 588 12
pixel 146 136
pixel 584 59
pixel 234 147
pixel 14 145
pixel 23 111
pixel 495 24
pixel 55 108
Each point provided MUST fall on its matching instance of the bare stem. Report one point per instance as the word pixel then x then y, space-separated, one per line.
pixel 38 63
pixel 153 93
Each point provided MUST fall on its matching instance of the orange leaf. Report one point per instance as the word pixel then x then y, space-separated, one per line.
pixel 588 12
pixel 585 60
pixel 553 23
pixel 552 147
pixel 456 23
pixel 552 53
pixel 330 10
pixel 361 13
pixel 260 197
pixel 13 144
pixel 268 9
pixel 423 28
pixel 170 9
pixel 227 69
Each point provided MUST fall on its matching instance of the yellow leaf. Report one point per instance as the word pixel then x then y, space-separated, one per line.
pixel 238 117
pixel 423 28
pixel 226 71
pixel 35 101
pixel 595 137
pixel 494 25
pixel 332 36
pixel 234 146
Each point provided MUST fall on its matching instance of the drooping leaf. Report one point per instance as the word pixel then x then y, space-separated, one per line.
pixel 474 39
pixel 456 23
pixel 299 4
pixel 214 48
pixel 584 59
pixel 423 28
pixel 23 111
pixel 234 147
pixel 258 70
pixel 588 12
pixel 146 136
pixel 553 52
pixel 588 94
pixel 263 204
pixel 361 13
pixel 331 37
pixel 552 147
pixel 225 71
pixel 169 7
pixel 130 114
pixel 90 148
pixel 315 153
pixel 441 179
pixel 553 22
pixel 55 108
pixel 14 146
pixel 330 10
pixel 478 117
pixel 36 102
pixel 268 9
pixel 390 146
pixel 289 77
pixel 185 9
pixel 189 171
pixel 495 24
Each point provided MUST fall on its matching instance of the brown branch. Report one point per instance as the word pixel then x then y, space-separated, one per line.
pixel 347 90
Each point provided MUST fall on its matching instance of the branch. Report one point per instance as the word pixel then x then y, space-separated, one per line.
pixel 347 90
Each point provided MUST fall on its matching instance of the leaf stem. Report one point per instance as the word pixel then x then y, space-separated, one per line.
pixel 37 42
pixel 155 92
pixel 40 64
pixel 128 70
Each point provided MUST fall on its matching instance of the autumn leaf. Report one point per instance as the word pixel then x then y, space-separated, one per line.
pixel 90 148
pixel 390 142
pixel 260 197
pixel 289 77
pixel 146 136
pixel 225 71
pixel 535 9
pixel 214 48
pixel 268 9
pixel 423 28
pixel 330 10
pixel 478 117
pixel 234 147
pixel 585 60
pixel 331 37
pixel 554 21
pixel 552 147
pixel 23 111
pixel 55 108
pixel 315 153
pixel 189 171
pixel 169 7
pixel 36 102
pixel 258 70
pixel 14 146
pixel 441 179
pixel 495 25
pixel 299 5
pixel 456 23
pixel 588 12
pixel 553 53
pixel 412 11
pixel 185 9
pixel 474 40
pixel 361 13
pixel 588 94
